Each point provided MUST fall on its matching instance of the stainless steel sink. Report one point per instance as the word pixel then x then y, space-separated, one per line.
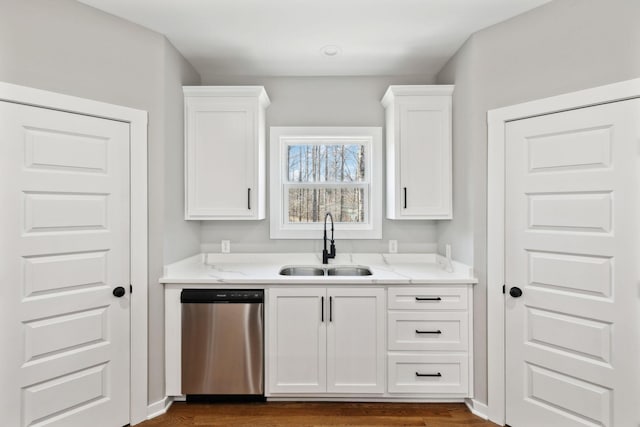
pixel 349 271
pixel 306 270
pixel 301 270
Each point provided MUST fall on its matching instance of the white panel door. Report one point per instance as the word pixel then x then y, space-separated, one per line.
pixel 572 248
pixel 64 247
pixel 356 340
pixel 296 328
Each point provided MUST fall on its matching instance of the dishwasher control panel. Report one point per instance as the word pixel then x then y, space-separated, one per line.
pixel 229 296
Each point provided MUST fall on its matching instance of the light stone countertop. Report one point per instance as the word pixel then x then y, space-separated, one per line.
pixel 263 268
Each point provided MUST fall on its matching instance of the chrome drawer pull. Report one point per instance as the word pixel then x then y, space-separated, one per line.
pixel 438 374
pixel 428 299
pixel 428 332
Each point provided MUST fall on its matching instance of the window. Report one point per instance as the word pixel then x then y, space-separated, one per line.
pixel 315 170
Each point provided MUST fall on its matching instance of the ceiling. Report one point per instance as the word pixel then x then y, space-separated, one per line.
pixel 287 37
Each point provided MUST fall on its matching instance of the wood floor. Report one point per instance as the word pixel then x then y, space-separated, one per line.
pixel 297 414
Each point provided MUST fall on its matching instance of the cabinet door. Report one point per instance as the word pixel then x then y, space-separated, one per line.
pixel 296 356
pixel 221 156
pixel 425 157
pixel 355 340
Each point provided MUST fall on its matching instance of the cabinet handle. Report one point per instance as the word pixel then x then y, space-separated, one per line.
pixel 428 332
pixel 322 309
pixel 249 198
pixel 330 309
pixel 428 299
pixel 437 374
pixel 405 197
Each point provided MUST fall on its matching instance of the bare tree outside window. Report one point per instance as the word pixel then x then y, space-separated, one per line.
pixel 315 170
pixel 326 178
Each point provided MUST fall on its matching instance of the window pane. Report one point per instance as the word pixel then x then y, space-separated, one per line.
pixel 326 163
pixel 307 205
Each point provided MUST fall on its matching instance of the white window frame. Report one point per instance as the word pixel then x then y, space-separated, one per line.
pixel 281 137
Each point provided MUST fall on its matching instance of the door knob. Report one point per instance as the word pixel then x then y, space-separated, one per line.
pixel 515 292
pixel 119 291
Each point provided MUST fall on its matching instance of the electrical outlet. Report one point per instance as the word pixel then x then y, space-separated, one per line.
pixel 225 246
pixel 393 246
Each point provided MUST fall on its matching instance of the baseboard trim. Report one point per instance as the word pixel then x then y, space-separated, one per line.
pixel 478 409
pixel 160 407
pixel 361 399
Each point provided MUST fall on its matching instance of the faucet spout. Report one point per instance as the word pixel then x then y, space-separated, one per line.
pixel 331 253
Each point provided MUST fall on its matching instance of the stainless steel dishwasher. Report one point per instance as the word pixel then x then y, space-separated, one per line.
pixel 222 342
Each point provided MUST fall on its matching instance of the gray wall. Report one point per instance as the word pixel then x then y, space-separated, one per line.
pixel 564 46
pixel 66 47
pixel 181 238
pixel 320 101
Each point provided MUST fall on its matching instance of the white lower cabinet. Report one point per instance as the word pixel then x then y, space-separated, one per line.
pixel 430 341
pixel 428 373
pixel 428 331
pixel 296 357
pixel 355 341
pixel 403 343
pixel 325 341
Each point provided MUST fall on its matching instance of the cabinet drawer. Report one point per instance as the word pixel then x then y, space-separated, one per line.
pixel 428 298
pixel 430 373
pixel 428 330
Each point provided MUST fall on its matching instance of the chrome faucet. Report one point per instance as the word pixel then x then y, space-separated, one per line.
pixel 331 253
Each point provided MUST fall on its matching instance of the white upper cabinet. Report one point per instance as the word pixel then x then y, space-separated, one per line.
pixel 418 126
pixel 225 152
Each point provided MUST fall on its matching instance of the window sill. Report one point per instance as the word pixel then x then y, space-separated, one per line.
pixel 340 233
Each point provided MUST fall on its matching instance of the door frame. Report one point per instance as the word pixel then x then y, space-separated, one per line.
pixel 137 120
pixel 497 120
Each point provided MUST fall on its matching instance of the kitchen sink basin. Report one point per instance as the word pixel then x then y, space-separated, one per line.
pixel 349 271
pixel 301 271
pixel 305 270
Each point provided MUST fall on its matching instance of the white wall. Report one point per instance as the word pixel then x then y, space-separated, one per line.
pixel 320 101
pixel 67 47
pixel 564 46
